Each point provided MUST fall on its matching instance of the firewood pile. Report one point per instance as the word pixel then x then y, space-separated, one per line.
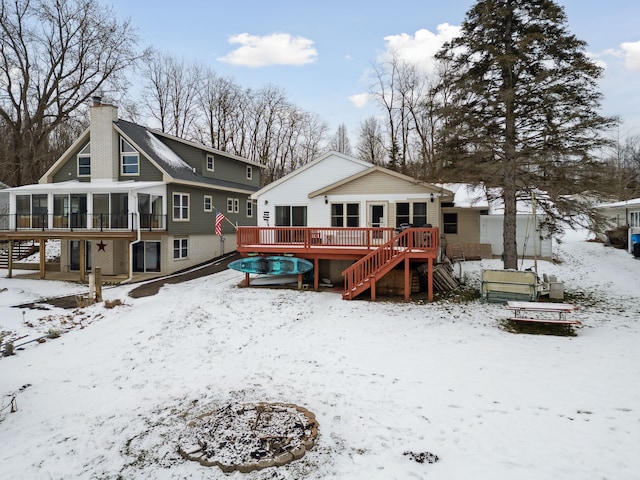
pixel 443 277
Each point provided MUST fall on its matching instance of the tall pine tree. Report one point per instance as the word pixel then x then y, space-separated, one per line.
pixel 522 115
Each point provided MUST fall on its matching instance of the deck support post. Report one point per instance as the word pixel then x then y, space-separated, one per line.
pixel 372 281
pixel 430 279
pixel 299 281
pixel 316 274
pixel 407 279
pixel 246 279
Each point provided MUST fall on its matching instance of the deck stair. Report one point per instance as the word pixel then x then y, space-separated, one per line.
pixel 20 250
pixel 360 276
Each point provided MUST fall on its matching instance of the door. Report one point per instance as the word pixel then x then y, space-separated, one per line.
pixel 74 256
pixel 146 256
pixel 377 217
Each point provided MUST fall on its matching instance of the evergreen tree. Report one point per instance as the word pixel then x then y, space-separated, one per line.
pixel 522 115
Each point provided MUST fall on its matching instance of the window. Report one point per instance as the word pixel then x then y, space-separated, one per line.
pixel 233 205
pixel 634 220
pixel 249 208
pixel 402 213
pixel 290 216
pixel 180 248
pixel 249 172
pixel 210 163
pixel 414 213
pixel 84 161
pixel 419 214
pixel 345 215
pixel 450 223
pixel 129 159
pixel 208 203
pixel 181 206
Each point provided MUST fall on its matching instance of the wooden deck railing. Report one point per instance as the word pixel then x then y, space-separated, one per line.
pixel 314 236
pixel 417 242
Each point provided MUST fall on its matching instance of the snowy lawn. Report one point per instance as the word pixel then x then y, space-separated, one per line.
pixel 112 397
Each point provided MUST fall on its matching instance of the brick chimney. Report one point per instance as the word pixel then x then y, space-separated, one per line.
pixel 105 151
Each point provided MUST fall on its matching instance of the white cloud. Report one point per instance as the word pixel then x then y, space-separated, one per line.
pixel 631 55
pixel 273 49
pixel 421 47
pixel 360 100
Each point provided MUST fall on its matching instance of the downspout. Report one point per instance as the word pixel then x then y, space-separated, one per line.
pixel 137 240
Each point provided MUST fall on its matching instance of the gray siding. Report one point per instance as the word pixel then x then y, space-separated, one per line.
pixel 201 221
pixel 148 172
pixel 69 170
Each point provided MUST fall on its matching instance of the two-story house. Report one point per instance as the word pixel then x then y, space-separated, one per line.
pixel 130 200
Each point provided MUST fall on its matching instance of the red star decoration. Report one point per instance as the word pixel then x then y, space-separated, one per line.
pixel 101 246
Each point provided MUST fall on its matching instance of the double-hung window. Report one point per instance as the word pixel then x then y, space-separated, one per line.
pixel 210 163
pixel 208 203
pixel 180 248
pixel 249 208
pixel 84 161
pixel 233 205
pixel 129 159
pixel 345 215
pixel 450 223
pixel 181 206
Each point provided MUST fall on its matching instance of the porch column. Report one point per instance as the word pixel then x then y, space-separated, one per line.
pixel 10 260
pixel 83 260
pixel 43 257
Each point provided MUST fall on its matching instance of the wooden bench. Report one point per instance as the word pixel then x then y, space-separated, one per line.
pixel 523 309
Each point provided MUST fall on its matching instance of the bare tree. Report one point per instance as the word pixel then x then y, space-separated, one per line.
pixel 220 103
pixel 171 93
pixel 370 146
pixel 340 141
pixel 53 57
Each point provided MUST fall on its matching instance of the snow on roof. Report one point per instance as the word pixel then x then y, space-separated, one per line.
pixel 76 186
pixel 478 196
pixel 165 153
pixel 634 202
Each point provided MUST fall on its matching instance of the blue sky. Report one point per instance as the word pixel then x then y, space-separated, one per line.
pixel 320 53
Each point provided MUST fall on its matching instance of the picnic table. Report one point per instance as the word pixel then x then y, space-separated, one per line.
pixel 523 312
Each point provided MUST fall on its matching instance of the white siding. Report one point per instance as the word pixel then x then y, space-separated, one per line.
pixel 295 191
pixel 491 228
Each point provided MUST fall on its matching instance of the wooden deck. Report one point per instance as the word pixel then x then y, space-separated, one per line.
pixel 375 251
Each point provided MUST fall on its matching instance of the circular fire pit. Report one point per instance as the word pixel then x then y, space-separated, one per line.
pixel 247 437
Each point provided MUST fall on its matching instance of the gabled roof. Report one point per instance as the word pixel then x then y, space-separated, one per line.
pixel 146 141
pixel 386 171
pixel 166 160
pixel 309 165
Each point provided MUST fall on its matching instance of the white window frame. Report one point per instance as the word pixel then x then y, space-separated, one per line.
pixel 210 163
pixel 181 250
pixel 233 205
pixel 126 153
pixel 181 206
pixel 249 208
pixel 208 203
pixel 85 153
pixel 249 172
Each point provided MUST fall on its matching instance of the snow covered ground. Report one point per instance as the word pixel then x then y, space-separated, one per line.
pixel 110 398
